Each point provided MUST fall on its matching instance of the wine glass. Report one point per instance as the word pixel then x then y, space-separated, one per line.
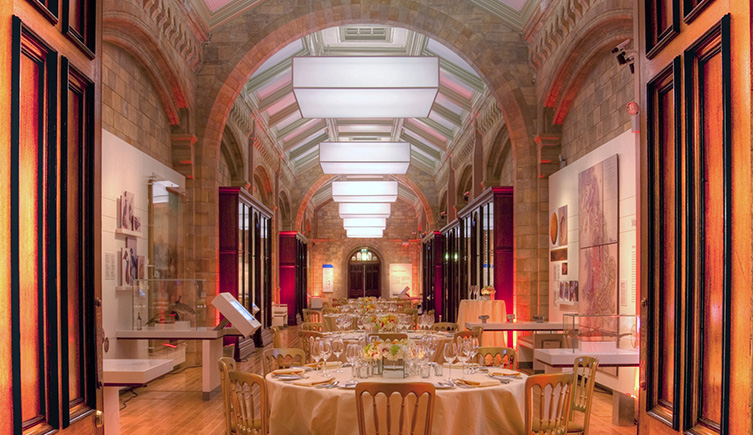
pixel 337 349
pixel 450 353
pixel 352 354
pixel 326 353
pixel 316 352
pixel 474 348
pixel 462 353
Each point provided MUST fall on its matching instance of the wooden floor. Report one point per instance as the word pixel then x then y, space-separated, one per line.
pixel 173 404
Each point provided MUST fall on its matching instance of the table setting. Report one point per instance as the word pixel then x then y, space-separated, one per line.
pixel 470 399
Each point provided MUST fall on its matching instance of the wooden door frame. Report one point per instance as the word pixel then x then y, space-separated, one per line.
pixel 347 262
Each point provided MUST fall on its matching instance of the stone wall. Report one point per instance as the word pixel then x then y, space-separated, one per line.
pixel 131 108
pixel 598 112
pixel 329 245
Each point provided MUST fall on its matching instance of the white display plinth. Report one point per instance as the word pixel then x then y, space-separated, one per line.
pixel 560 358
pixel 517 326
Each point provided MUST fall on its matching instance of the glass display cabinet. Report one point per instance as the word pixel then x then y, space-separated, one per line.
pixel 431 272
pixel 293 273
pixel 474 250
pixel 179 304
pixel 245 246
pixel 600 332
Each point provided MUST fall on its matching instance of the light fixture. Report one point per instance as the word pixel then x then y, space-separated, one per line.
pixel 364 191
pixel 364 210
pixel 361 222
pixel 365 232
pixel 364 157
pixel 365 87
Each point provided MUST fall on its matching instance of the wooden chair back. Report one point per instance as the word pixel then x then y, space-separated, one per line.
pixel 312 326
pixel 584 372
pixel 391 336
pixel 250 415
pixel 549 394
pixel 282 358
pixel 303 342
pixel 406 418
pixel 445 327
pixel 475 333
pixel 312 315
pixel 276 336
pixel 227 365
pixel 330 310
pixel 498 356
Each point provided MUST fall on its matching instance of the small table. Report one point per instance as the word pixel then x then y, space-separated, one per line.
pixel 118 373
pixel 518 326
pixel 211 349
pixel 469 310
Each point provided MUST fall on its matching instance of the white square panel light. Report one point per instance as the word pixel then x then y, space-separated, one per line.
pixel 364 191
pixel 364 210
pixel 370 158
pixel 365 87
pixel 361 222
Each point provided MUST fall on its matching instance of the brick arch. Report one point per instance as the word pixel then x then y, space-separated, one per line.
pixel 265 183
pixel 130 34
pixel 324 179
pixel 594 41
pixel 464 183
pixel 495 61
pixel 233 154
pixel 498 152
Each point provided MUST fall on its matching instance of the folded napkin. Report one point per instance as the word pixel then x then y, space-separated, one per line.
pixel 313 380
pixel 478 382
pixel 290 371
pixel 454 366
pixel 330 365
pixel 497 371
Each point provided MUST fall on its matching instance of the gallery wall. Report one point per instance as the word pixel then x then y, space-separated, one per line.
pixel 567 277
pixel 124 169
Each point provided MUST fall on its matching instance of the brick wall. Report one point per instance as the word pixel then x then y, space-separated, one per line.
pixel 130 107
pixel 223 173
pixel 331 246
pixel 598 111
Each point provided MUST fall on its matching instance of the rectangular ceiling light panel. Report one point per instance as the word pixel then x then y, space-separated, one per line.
pixel 347 158
pixel 365 87
pixel 365 233
pixel 361 222
pixel 366 210
pixel 364 191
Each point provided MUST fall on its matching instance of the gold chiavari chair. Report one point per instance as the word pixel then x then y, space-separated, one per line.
pixel 276 336
pixel 584 372
pixel 405 415
pixel 250 419
pixel 498 356
pixel 330 310
pixel 445 327
pixel 389 336
pixel 283 358
pixel 304 343
pixel 227 365
pixel 312 326
pixel 312 315
pixel 550 395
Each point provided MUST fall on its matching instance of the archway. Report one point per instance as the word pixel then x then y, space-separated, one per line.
pixel 364 273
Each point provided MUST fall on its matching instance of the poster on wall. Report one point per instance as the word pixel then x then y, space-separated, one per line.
pixel 401 275
pixel 328 278
pixel 558 227
pixel 598 258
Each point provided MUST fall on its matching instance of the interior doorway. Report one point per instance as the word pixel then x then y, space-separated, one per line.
pixel 364 271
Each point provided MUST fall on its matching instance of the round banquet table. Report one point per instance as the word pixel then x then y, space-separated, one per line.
pixel 332 411
pixel 469 310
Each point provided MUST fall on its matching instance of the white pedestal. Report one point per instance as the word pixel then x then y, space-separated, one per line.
pixel 211 352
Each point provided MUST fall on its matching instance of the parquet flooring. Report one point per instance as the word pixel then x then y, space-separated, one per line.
pixel 173 404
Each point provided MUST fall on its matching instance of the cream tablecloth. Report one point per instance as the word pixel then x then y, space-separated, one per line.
pixel 469 311
pixel 306 410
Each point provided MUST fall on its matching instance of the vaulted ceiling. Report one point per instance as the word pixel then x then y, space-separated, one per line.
pixel 269 93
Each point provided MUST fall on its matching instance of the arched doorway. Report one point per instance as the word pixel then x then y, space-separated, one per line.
pixel 364 271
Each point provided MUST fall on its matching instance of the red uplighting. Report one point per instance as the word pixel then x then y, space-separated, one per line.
pixel 171 346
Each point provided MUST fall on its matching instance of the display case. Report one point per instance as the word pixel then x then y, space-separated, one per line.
pixel 179 304
pixel 293 273
pixel 431 274
pixel 600 332
pixel 245 259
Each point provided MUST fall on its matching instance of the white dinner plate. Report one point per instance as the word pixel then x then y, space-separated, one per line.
pixel 439 386
pixel 348 386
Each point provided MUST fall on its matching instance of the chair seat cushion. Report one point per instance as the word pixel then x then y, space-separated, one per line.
pixel 575 427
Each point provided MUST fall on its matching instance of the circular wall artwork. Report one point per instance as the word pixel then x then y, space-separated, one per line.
pixel 553 230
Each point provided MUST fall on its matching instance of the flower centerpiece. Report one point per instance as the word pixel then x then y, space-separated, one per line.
pixel 368 308
pixel 488 292
pixel 389 357
pixel 387 323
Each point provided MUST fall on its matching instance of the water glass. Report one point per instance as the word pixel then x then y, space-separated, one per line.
pixel 450 354
pixel 337 349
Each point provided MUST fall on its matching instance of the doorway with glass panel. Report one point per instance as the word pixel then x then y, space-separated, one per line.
pixel 364 269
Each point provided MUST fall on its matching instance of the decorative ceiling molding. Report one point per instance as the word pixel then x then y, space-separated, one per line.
pixel 507 14
pixel 178 29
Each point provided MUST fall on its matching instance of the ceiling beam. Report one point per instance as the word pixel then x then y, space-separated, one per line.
pixel 306 133
pixel 426 136
pixel 455 97
pixel 282 114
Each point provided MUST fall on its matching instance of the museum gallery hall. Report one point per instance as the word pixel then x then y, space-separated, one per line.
pixel 376 216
